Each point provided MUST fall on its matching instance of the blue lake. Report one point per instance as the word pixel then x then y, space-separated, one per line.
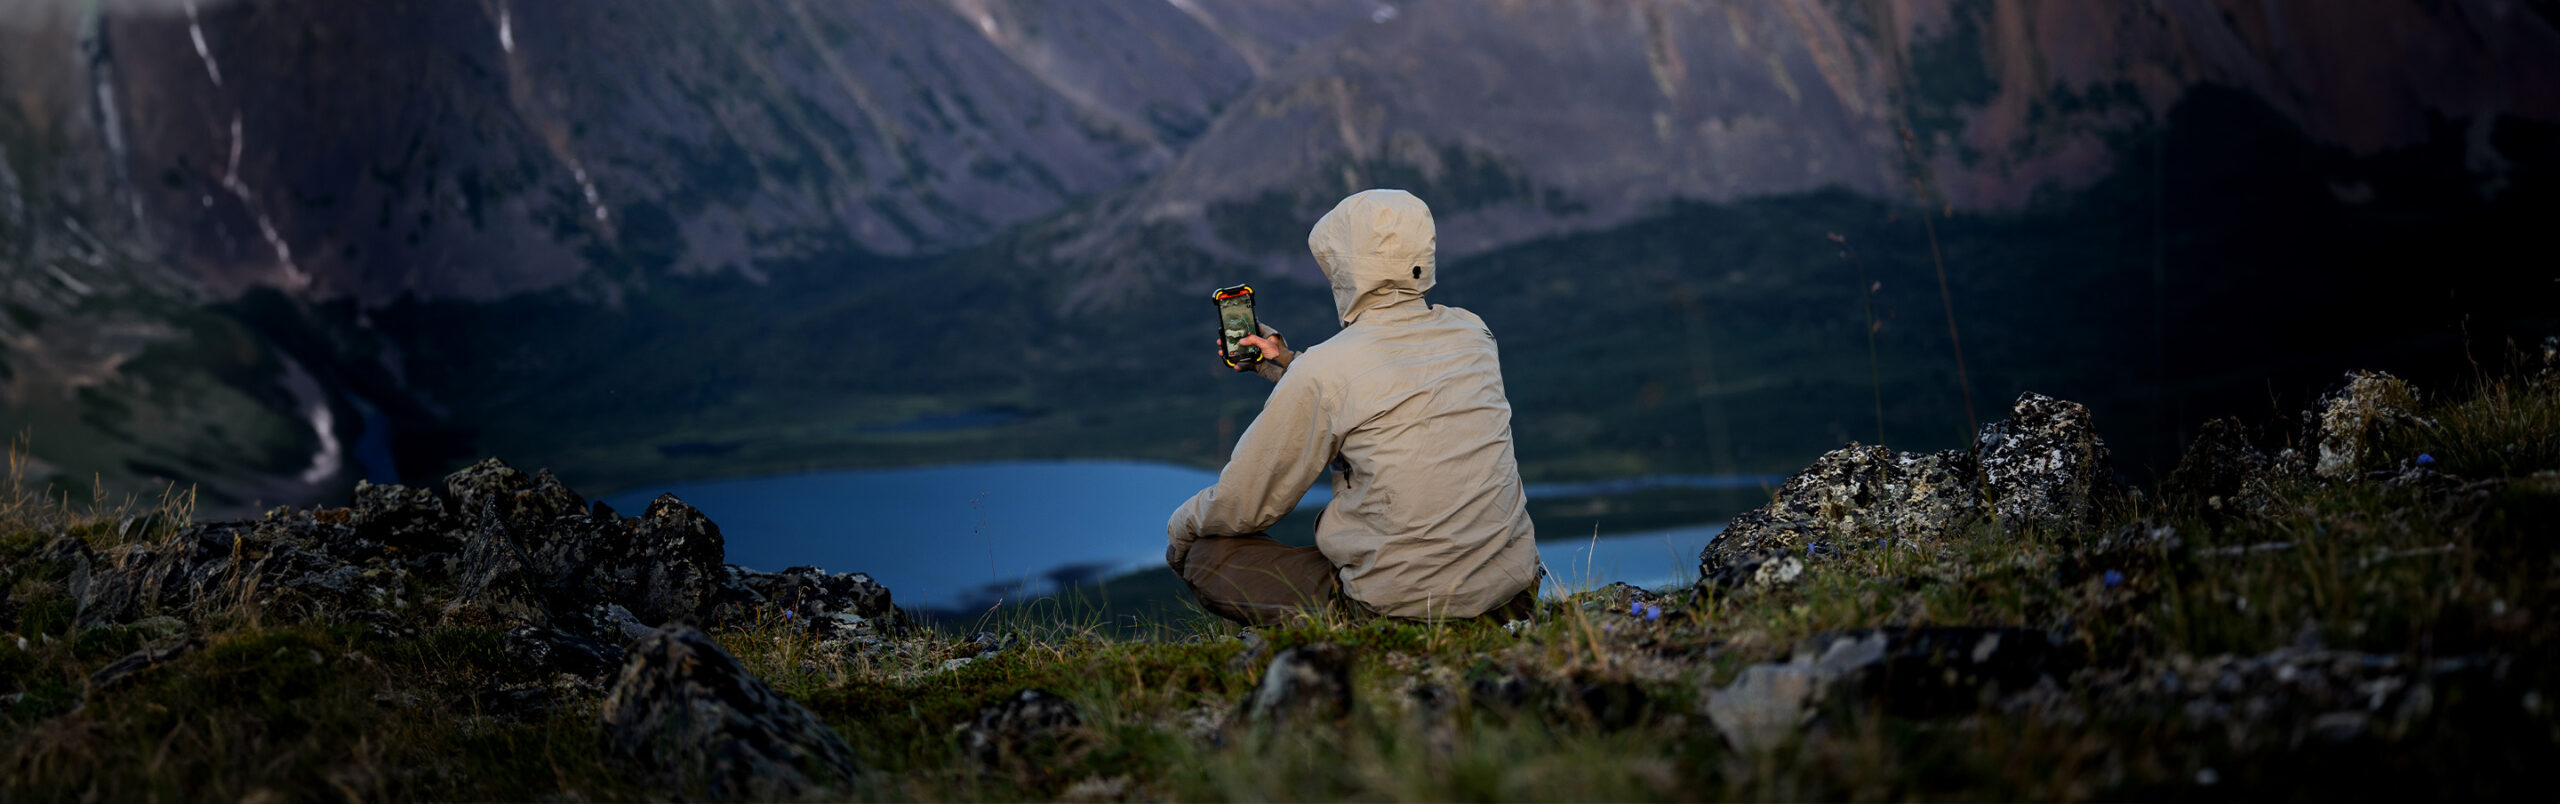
pixel 964 536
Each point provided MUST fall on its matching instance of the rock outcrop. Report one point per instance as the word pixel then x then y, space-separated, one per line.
pixel 1852 495
pixel 2044 467
pixel 688 715
pixel 570 583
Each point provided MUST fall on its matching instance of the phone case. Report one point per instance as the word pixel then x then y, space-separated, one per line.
pixel 1235 320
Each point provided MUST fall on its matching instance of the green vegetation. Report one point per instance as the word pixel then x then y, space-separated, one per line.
pixel 1585 703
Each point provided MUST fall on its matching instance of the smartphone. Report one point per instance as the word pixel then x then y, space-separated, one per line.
pixel 1235 321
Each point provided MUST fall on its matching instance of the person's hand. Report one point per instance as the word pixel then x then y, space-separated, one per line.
pixel 1274 346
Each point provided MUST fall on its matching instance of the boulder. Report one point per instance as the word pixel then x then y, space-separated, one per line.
pixel 1855 495
pixel 2348 423
pixel 2045 466
pixel 685 714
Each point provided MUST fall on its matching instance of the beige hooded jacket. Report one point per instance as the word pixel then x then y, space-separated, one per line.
pixel 1428 518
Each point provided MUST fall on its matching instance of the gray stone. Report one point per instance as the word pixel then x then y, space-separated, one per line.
pixel 1305 684
pixel 685 714
pixel 1766 704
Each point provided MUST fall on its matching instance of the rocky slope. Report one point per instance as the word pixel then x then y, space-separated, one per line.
pixel 2013 630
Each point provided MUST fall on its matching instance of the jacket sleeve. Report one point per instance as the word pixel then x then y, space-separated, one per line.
pixel 1281 454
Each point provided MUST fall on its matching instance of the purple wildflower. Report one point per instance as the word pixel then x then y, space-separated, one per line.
pixel 2426 459
pixel 1652 612
pixel 2115 578
pixel 786 614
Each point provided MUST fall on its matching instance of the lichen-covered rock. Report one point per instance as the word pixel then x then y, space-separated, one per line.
pixel 583 558
pixel 410 521
pixel 2348 423
pixel 494 584
pixel 1623 598
pixel 846 607
pixel 686 714
pixel 1304 684
pixel 673 569
pixel 1023 733
pixel 2045 466
pixel 1855 495
pixel 2221 470
pixel 519 498
pixel 571 584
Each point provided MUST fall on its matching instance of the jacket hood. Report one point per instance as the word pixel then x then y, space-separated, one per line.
pixel 1376 249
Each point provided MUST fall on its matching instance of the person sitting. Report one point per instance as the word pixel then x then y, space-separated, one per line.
pixel 1428 519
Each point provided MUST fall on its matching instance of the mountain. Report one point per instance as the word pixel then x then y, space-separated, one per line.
pixel 272 245
pixel 1522 120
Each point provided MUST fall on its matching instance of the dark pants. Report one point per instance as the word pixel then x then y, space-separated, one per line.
pixel 1256 580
